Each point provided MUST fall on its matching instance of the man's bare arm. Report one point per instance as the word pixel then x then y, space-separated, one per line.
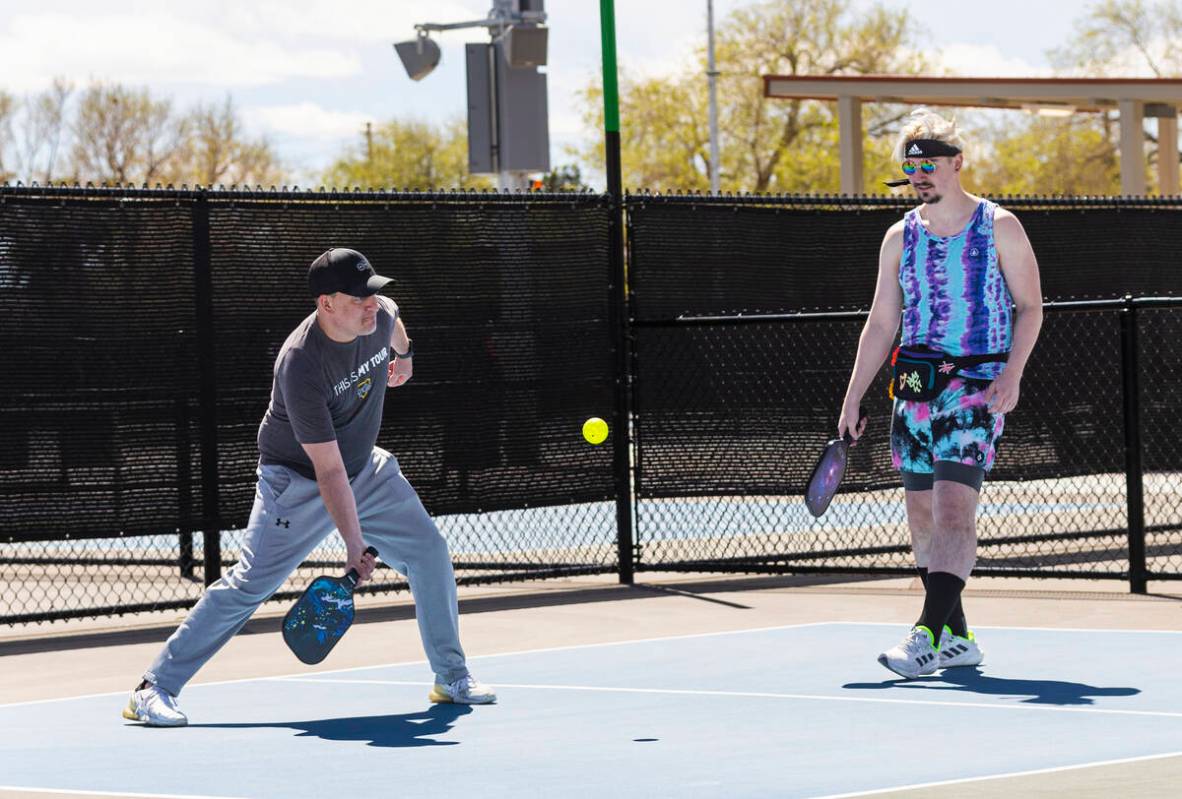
pixel 1020 268
pixel 338 497
pixel 399 370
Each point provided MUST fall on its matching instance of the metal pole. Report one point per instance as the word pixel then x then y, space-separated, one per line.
pixel 184 474
pixel 622 416
pixel 1134 486
pixel 712 75
pixel 494 104
pixel 207 391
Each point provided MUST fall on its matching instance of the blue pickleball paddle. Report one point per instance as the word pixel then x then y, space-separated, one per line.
pixel 321 616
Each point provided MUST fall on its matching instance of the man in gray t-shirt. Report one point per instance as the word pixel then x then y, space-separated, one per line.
pixel 320 470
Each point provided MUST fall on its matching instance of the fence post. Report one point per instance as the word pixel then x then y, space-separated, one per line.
pixel 622 421
pixel 207 391
pixel 1130 374
pixel 184 474
pixel 622 462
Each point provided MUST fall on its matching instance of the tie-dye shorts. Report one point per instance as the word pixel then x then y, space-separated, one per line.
pixel 955 429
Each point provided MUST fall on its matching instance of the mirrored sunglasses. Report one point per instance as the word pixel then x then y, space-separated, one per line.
pixel 927 167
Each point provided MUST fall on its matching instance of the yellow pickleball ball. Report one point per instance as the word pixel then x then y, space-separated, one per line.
pixel 595 430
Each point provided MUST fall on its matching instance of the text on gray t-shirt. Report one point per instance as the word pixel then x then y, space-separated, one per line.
pixel 324 390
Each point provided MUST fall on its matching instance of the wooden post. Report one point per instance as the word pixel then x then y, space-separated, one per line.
pixel 1132 148
pixel 849 143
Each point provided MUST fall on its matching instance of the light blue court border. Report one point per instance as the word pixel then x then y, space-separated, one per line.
pixel 800 711
pixel 548 527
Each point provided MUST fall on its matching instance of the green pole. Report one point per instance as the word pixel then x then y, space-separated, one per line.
pixel 621 419
pixel 611 98
pixel 611 89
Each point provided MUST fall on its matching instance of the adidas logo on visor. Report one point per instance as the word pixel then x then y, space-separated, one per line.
pixel 915 150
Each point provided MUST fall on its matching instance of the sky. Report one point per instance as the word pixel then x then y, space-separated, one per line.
pixel 309 74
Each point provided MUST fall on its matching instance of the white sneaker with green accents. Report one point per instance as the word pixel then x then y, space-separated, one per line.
pixel 957 651
pixel 155 707
pixel 464 691
pixel 914 657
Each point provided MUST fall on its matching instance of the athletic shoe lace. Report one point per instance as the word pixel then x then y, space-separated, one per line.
pixel 917 643
pixel 157 697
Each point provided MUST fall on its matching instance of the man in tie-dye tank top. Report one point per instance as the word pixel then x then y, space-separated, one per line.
pixel 960 276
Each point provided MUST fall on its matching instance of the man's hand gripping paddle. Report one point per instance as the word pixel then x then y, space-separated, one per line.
pixel 321 615
pixel 828 472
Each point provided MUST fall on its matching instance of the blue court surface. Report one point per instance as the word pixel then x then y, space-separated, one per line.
pixel 800 711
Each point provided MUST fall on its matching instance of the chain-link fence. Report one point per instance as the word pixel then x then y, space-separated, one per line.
pixel 140 332
pixel 746 313
pixel 141 327
pixel 733 412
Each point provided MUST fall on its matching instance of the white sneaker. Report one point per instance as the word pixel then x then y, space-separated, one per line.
pixel 914 657
pixel 155 707
pixel 957 651
pixel 464 691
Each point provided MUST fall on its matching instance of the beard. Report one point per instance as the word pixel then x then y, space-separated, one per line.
pixel 933 198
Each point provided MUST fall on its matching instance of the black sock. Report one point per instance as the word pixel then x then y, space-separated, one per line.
pixel 942 596
pixel 956 622
pixel 923 578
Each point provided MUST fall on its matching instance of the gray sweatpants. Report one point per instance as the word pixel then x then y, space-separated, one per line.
pixel 287 521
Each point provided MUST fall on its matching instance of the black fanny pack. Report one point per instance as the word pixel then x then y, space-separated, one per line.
pixel 921 373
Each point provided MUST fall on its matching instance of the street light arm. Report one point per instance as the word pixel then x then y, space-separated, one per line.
pixel 491 22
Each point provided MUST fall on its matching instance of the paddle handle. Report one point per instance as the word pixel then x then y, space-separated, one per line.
pixel 352 576
pixel 861 416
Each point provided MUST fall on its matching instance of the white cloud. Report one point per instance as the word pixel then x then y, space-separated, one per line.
pixel 986 61
pixel 354 20
pixel 153 48
pixel 307 120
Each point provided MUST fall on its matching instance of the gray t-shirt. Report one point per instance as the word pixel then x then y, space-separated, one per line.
pixel 324 391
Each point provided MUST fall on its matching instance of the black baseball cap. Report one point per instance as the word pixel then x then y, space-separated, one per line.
pixel 344 270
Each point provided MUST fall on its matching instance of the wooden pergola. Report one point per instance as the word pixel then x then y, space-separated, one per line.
pixel 1134 98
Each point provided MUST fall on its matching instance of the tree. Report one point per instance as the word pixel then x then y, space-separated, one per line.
pixel 1069 156
pixel 46 127
pixel 123 135
pixel 1079 154
pixel 563 178
pixel 216 151
pixel 765 145
pixel 1125 37
pixel 31 132
pixel 410 155
pixel 7 108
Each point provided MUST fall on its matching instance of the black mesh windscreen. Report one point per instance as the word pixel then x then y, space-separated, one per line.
pixel 746 409
pixel 703 256
pixel 732 413
pixel 141 327
pixel 97 425
pixel 699 259
pixel 109 376
pixel 507 305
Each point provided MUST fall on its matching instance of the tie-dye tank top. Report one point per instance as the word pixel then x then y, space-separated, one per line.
pixel 955 298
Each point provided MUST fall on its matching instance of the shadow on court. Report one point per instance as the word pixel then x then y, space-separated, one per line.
pixel 972 680
pixel 397 730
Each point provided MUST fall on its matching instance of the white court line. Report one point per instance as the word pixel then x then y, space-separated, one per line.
pixel 75 792
pixel 1093 764
pixel 570 647
pixel 424 661
pixel 765 695
pixel 1024 629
